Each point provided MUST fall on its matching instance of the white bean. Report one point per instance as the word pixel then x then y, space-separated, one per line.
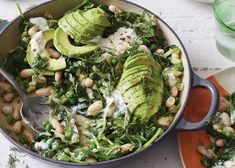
pixel 91 160
pixel 180 86
pixel 53 53
pixel 16 113
pixel 94 87
pixel 225 119
pixel 202 149
pixel 66 150
pixel 223 105
pixel 58 76
pixel 5 87
pixel 24 34
pixel 165 120
pixel 217 127
pixel 170 102
pixel 115 9
pixel 40 80
pixel 90 93
pixel 17 127
pixel 111 110
pixel 160 51
pixel 174 91
pixel 44 91
pixel 82 121
pixel 126 148
pixel 57 126
pixel 28 135
pixel 177 73
pixel 33 30
pixel 88 83
pixel 145 49
pixel 220 142
pixel 7 110
pixel 95 108
pixel 8 97
pixel 26 73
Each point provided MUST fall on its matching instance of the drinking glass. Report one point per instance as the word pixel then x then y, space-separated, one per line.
pixel 224 11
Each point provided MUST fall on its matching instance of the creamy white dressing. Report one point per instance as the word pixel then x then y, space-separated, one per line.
pixel 38 43
pixel 171 76
pixel 172 80
pixel 115 99
pixel 40 22
pixel 120 41
pixel 41 145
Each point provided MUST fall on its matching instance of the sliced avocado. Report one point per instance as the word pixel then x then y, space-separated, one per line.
pixel 63 45
pixel 143 60
pixel 80 18
pixel 84 32
pixel 74 29
pixel 142 111
pixel 138 93
pixel 142 86
pixel 53 64
pixel 133 106
pixel 154 101
pixel 134 70
pixel 92 28
pixel 66 28
pixel 133 80
pixel 84 26
pixel 135 56
pixel 97 16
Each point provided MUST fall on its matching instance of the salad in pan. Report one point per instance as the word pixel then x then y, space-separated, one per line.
pixel 220 129
pixel 111 74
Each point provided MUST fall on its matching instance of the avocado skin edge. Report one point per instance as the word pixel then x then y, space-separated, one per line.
pixel 63 45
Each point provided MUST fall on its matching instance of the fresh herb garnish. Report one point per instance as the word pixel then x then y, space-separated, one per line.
pixel 12 161
pixel 40 62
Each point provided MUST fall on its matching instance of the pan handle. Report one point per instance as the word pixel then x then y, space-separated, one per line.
pixel 3 25
pixel 199 82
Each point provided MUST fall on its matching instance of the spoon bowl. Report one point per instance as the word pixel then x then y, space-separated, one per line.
pixel 34 110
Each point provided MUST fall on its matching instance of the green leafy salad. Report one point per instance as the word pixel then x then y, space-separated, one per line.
pixel 115 80
pixel 220 128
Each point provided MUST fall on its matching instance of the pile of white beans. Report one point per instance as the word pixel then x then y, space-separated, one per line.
pixel 174 76
pixel 10 105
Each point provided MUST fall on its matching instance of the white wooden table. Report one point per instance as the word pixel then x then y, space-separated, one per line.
pixel 193 22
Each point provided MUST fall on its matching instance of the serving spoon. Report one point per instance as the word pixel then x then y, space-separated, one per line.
pixel 34 110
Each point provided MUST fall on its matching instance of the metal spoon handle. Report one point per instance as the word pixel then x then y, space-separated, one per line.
pixel 9 78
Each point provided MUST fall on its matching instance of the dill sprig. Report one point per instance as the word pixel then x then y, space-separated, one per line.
pixel 12 161
pixel 12 158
